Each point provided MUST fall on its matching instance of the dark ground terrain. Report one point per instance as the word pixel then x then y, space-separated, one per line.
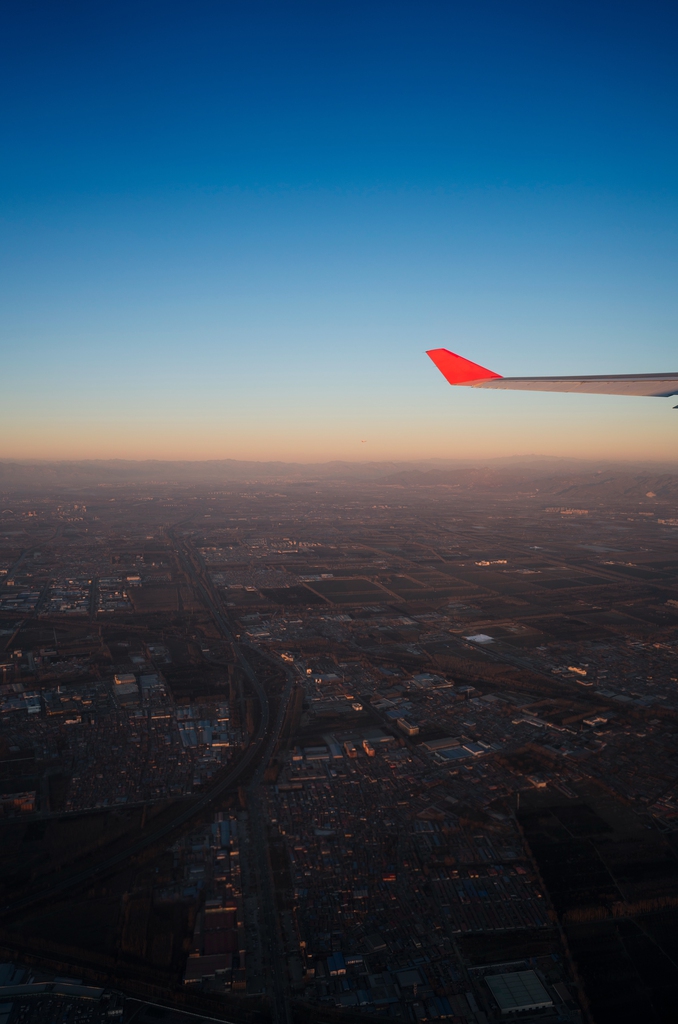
pixel 435 705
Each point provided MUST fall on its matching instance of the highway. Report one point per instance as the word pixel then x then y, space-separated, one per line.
pixel 274 950
pixel 260 747
pixel 270 922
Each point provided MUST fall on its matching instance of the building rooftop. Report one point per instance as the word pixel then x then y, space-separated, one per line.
pixel 518 991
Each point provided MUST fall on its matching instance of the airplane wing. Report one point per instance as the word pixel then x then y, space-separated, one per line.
pixel 458 370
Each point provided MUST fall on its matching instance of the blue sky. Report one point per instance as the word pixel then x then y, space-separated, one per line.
pixel 231 229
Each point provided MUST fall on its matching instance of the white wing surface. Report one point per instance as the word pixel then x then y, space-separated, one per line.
pixel 460 371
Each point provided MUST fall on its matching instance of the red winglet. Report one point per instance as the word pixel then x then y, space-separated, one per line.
pixel 457 370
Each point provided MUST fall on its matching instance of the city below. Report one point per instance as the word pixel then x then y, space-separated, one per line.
pixel 337 743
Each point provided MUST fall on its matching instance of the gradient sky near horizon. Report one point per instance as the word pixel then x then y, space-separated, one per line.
pixel 231 228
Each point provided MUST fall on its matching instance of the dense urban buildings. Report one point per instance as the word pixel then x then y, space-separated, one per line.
pixel 340 743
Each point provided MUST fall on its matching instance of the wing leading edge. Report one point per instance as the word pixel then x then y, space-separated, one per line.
pixel 460 371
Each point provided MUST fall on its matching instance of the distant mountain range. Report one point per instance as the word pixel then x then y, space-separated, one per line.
pixel 563 478
pixel 562 483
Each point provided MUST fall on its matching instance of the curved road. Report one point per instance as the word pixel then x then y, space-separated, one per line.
pixel 101 867
pixel 277 967
pixel 257 748
pixel 253 750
